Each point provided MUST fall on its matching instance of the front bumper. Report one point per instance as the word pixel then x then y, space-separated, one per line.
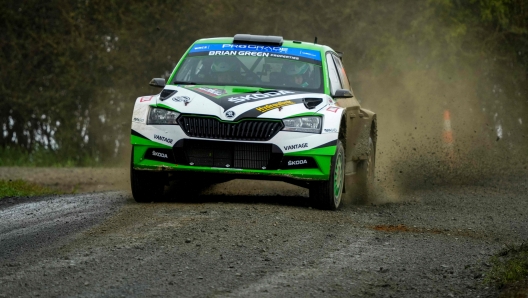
pixel 225 157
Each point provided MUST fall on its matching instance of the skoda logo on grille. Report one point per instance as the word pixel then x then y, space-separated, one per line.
pixel 230 114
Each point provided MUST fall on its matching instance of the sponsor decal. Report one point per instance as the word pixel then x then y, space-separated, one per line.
pixel 296 146
pixel 138 119
pixel 238 53
pixel 181 98
pixel 252 113
pixel 333 109
pixel 185 99
pixel 249 53
pixel 258 96
pixel 159 154
pixel 230 114
pixel 284 56
pixel 255 48
pixel 297 162
pixel 164 139
pixel 146 98
pixel 330 130
pixel 308 54
pixel 280 104
pixel 211 91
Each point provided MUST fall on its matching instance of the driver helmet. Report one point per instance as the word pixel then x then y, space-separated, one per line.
pixel 296 69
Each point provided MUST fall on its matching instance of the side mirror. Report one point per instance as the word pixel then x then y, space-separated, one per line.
pixel 157 82
pixel 342 93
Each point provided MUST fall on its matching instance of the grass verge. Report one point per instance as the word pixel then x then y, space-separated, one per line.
pixel 19 188
pixel 509 271
pixel 18 157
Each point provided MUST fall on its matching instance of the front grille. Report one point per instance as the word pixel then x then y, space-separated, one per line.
pixel 245 130
pixel 229 154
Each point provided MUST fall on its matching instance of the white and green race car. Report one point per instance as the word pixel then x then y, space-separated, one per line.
pixel 255 107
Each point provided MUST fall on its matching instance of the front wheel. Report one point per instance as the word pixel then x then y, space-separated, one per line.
pixel 328 194
pixel 147 186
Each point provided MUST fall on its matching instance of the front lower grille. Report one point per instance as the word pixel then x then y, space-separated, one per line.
pixel 245 130
pixel 229 154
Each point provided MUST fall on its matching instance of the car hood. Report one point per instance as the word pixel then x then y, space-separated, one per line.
pixel 234 103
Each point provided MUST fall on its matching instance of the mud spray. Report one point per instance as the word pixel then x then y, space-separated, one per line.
pixel 437 129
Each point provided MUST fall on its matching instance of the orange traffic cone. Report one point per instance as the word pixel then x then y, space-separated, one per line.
pixel 448 136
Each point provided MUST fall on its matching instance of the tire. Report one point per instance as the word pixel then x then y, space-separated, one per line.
pixel 328 194
pixel 365 174
pixel 147 186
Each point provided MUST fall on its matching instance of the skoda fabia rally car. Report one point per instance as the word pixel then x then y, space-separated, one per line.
pixel 255 107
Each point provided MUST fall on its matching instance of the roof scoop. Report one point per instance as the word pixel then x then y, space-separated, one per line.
pixel 311 103
pixel 258 39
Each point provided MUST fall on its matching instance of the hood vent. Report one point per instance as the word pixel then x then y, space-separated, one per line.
pixel 311 103
pixel 166 93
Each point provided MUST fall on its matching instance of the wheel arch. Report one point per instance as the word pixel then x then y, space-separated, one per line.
pixel 357 127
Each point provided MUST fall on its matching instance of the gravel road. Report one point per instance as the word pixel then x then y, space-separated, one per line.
pixel 259 239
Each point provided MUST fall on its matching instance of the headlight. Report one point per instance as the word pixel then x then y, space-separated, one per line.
pixel 303 124
pixel 162 116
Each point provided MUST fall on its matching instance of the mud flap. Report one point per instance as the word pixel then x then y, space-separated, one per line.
pixel 350 181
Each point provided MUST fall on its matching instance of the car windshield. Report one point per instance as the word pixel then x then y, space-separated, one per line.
pixel 253 66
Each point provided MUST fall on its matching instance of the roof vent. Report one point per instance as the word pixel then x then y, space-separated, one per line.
pixel 258 39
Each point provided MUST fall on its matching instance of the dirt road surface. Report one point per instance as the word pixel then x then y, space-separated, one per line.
pixel 258 239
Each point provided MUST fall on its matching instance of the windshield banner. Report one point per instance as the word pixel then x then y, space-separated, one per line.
pixel 255 50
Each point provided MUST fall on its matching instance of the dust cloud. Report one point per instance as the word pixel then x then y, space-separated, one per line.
pixel 439 123
pixel 436 129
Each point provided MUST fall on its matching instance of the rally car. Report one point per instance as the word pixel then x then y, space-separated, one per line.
pixel 255 107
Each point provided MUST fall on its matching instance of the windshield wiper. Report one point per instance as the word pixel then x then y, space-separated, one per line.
pixel 183 83
pixel 264 90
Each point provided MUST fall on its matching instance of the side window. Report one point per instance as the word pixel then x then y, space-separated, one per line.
pixel 335 83
pixel 342 74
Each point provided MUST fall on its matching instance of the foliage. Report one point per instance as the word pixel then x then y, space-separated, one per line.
pixel 72 69
pixel 19 188
pixel 509 266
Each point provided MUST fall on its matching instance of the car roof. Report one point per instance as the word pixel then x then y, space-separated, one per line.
pixel 285 43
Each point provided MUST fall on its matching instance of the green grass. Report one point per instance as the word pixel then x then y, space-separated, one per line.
pixel 509 266
pixel 10 157
pixel 19 188
pixel 17 157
